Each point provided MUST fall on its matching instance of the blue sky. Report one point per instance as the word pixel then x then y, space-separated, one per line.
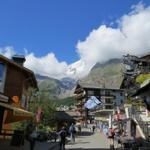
pixel 42 26
pixel 61 27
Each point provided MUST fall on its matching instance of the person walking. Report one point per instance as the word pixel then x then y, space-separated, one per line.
pixel 30 131
pixel 79 129
pixel 62 135
pixel 72 131
pixel 111 134
pixel 93 128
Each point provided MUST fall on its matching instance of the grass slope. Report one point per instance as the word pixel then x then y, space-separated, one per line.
pixel 108 75
pixel 65 101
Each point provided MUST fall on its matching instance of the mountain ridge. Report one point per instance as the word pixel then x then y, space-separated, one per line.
pixel 104 75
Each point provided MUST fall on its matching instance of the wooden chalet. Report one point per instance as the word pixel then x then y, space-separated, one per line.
pixel 138 93
pixel 110 98
pixel 15 81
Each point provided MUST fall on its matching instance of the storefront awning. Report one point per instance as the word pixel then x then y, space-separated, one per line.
pixel 15 114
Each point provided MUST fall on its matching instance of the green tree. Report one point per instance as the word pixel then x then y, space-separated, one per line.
pixel 43 101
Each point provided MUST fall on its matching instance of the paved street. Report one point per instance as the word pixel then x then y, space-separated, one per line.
pixel 89 141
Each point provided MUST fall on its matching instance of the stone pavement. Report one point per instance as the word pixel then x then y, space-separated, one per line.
pixel 5 145
pixel 90 141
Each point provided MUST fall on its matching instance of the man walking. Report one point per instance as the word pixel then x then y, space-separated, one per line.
pixel 72 131
pixel 63 135
pixel 29 135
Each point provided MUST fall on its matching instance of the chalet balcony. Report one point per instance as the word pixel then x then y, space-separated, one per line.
pixel 81 114
pixel 80 96
pixel 110 104
pixel 108 96
pixel 79 109
pixel 103 112
pixel 79 90
pixel 79 104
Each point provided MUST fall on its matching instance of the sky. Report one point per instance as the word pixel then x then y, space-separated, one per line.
pixel 61 38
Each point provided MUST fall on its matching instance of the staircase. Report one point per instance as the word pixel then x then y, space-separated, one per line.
pixel 142 126
pixel 144 123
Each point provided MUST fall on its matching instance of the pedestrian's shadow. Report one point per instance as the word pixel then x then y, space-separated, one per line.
pixel 85 133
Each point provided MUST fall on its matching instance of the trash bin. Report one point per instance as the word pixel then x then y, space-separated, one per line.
pixel 17 138
pixel 126 145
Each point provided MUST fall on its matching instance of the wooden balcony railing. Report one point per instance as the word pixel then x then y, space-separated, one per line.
pixel 80 96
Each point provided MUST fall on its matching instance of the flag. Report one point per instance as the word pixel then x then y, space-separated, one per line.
pixel 38 115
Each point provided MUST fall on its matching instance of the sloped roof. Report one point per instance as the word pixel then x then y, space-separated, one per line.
pixel 22 68
pixel 95 86
pixel 63 116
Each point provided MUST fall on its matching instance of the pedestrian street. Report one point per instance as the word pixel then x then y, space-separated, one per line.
pixel 90 141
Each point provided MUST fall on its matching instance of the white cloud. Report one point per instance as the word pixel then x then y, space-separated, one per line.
pixel 47 65
pixel 7 51
pixel 131 36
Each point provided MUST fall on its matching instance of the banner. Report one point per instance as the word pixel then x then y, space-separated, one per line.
pixel 92 102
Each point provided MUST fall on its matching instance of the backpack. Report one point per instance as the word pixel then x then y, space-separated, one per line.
pixel 63 134
pixel 72 129
pixel 111 133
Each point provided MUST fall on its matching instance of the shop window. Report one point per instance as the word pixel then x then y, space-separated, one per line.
pixel 2 76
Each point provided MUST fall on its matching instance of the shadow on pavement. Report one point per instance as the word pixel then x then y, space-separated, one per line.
pixel 85 133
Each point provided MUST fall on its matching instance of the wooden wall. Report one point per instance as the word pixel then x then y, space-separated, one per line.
pixel 14 82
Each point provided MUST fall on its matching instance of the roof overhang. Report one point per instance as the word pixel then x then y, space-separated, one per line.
pixel 15 114
pixel 103 112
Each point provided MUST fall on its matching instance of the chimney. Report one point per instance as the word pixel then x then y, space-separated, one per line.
pixel 19 59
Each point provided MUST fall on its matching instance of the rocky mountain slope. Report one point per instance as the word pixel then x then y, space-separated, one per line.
pixel 106 75
pixel 57 88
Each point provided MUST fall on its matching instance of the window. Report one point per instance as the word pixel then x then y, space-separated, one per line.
pixel 1 71
pixel 108 100
pixel 107 92
pixel 2 76
pixel 121 101
pixel 97 92
pixel 23 101
pixel 108 107
pixel 90 93
pixel 121 94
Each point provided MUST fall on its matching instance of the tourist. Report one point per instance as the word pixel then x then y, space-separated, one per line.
pixel 62 135
pixel 72 131
pixel 111 134
pixel 30 135
pixel 93 128
pixel 79 128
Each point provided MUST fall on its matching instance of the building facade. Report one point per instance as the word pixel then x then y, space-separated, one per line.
pixel 109 98
pixel 15 81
